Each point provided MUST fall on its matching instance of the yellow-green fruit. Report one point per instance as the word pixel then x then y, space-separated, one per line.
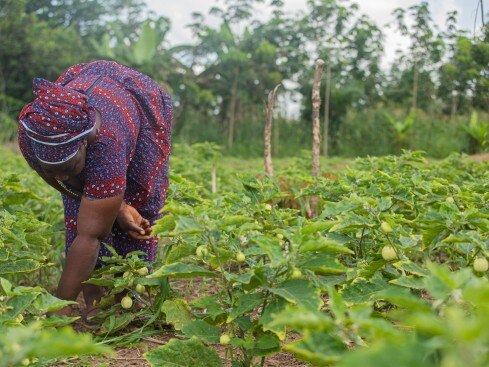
pixel 240 257
pixel 296 274
pixel 25 362
pixel 268 207
pixel 450 199
pixel 201 251
pixel 126 302
pixel 126 274
pixel 143 271
pixel 19 318
pixel 385 227
pixel 280 236
pixel 481 265
pixel 388 253
pixel 15 347
pixel 224 339
pixel 140 288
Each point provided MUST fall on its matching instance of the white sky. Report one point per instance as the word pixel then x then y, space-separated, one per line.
pixel 379 11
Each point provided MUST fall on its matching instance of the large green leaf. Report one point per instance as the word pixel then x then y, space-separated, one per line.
pixel 186 226
pixel 323 265
pixel 183 353
pixel 18 304
pixel 266 344
pixel 272 249
pixel 245 303
pixel 19 266
pixel 267 318
pixel 202 330
pixel 322 244
pixel 299 292
pixel 387 353
pixel 65 342
pixel 300 318
pixel 181 270
pixel 113 323
pixel 361 290
pixel 318 348
pixel 47 303
pixel 177 312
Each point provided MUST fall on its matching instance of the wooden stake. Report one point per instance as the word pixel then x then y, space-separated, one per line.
pixel 316 125
pixel 213 179
pixel 316 132
pixel 326 110
pixel 272 97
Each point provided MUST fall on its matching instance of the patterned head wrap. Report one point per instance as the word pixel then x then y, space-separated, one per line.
pixel 57 120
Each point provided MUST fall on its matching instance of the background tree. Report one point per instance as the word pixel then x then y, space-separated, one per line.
pixel 425 50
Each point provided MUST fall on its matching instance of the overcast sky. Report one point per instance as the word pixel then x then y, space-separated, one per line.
pixel 180 11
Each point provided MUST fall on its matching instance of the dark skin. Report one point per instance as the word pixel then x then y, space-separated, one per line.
pixel 94 223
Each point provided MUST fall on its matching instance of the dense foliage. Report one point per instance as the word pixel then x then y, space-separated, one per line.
pixel 219 81
pixel 393 270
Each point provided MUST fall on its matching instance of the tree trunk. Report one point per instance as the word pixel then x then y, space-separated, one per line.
pixel 231 109
pixel 316 126
pixel 453 111
pixel 272 97
pixel 415 87
pixel 326 110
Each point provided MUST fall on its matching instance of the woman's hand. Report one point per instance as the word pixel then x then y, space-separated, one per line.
pixel 133 223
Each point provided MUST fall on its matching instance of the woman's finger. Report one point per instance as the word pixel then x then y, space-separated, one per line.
pixel 145 223
pixel 131 226
pixel 137 236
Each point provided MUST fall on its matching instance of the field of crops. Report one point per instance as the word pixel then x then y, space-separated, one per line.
pixel 392 270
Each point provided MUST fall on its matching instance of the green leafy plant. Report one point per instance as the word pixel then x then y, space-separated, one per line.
pixel 478 130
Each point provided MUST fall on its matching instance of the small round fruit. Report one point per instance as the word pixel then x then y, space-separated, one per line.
pixel 481 265
pixel 450 200
pixel 126 302
pixel 268 207
pixel 240 257
pixel 143 271
pixel 15 347
pixel 25 362
pixel 126 274
pixel 201 251
pixel 19 318
pixel 280 236
pixel 140 288
pixel 224 339
pixel 296 274
pixel 388 253
pixel 385 227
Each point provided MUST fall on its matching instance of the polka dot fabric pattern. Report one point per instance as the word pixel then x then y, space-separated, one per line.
pixel 131 151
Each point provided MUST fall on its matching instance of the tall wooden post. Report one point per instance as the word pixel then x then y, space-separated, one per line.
pixel 326 110
pixel 316 133
pixel 316 125
pixel 272 97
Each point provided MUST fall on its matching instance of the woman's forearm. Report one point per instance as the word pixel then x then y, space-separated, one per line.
pixel 80 262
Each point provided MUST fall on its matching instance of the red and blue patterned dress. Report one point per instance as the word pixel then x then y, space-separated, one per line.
pixel 131 151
